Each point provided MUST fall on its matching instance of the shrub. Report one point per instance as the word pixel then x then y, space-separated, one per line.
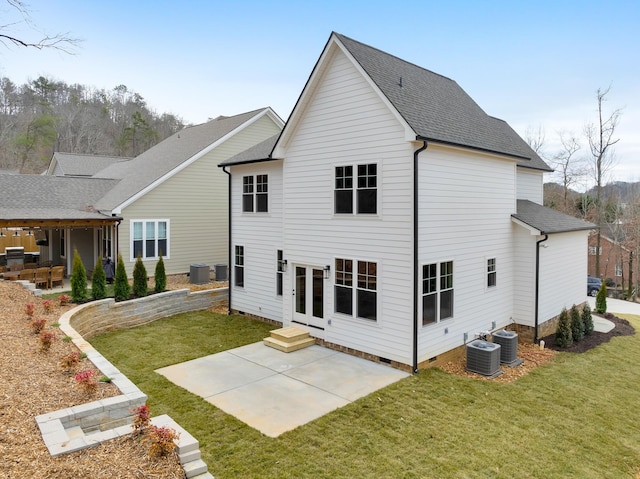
pixel 38 325
pixel 98 281
pixel 30 309
pixel 46 340
pixel 87 381
pixel 162 441
pixel 139 278
pixel 564 339
pixel 70 360
pixel 577 326
pixel 142 419
pixel 160 276
pixel 47 304
pixel 601 299
pixel 64 299
pixel 78 279
pixel 587 320
pixel 121 288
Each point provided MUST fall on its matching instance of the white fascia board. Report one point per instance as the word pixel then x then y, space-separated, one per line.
pixel 267 111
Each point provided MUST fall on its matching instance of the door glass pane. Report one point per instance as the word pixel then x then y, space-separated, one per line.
pixel 301 296
pixel 318 292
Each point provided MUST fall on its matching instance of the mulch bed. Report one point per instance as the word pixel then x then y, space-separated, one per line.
pixel 622 328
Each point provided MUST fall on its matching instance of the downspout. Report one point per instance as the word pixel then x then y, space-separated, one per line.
pixel 229 257
pixel 416 266
pixel 537 295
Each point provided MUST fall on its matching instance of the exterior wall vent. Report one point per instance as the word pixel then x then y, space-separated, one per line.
pixel 484 358
pixel 508 341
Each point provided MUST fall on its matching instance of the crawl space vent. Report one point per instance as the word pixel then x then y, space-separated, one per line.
pixel 483 358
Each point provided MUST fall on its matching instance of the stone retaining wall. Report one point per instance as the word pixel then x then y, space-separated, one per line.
pixel 105 315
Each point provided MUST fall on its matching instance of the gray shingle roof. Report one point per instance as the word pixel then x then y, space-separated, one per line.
pixel 437 108
pixel 137 174
pixel 548 221
pixel 73 164
pixel 40 197
pixel 260 152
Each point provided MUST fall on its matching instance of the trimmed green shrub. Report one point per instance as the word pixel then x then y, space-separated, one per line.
pixel 564 339
pixel 121 288
pixel 78 279
pixel 577 326
pixel 587 320
pixel 160 276
pixel 601 299
pixel 139 278
pixel 98 281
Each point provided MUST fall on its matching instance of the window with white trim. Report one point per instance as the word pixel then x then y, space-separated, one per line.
pixel 365 195
pixel 364 295
pixel 255 194
pixel 238 268
pixel 149 239
pixel 491 273
pixel 618 270
pixel 593 249
pixel 437 292
pixel 279 272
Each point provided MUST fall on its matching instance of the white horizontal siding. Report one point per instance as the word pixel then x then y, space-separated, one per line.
pixel 261 236
pixel 347 123
pixel 530 185
pixel 563 273
pixel 466 201
pixel 524 275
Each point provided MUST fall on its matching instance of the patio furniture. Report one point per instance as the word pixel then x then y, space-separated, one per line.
pixel 42 277
pixel 16 267
pixel 28 274
pixel 57 276
pixel 30 265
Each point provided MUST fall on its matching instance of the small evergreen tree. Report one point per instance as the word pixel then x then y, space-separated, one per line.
pixel 121 288
pixel 564 339
pixel 601 299
pixel 160 276
pixel 577 326
pixel 98 281
pixel 78 279
pixel 139 278
pixel 587 320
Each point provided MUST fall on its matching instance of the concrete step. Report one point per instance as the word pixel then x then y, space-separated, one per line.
pixel 195 468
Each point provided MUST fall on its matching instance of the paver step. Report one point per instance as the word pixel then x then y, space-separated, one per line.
pixel 195 468
pixel 289 346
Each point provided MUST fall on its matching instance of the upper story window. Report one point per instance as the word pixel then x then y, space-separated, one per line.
pixel 365 193
pixel 149 239
pixel 491 272
pixel 255 193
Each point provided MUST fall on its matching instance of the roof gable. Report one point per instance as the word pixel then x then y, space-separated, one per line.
pixel 432 106
pixel 74 164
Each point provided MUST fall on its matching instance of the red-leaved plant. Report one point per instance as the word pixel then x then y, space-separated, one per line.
pixel 46 340
pixel 64 299
pixel 141 419
pixel 30 309
pixel 38 325
pixel 87 381
pixel 70 360
pixel 47 304
pixel 162 440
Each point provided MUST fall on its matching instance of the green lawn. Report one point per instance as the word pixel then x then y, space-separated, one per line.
pixel 574 418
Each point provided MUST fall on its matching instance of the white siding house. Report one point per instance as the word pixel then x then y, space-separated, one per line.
pixel 395 202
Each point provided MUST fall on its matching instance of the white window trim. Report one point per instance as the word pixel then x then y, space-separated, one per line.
pixel 165 254
pixel 354 191
pixel 254 194
pixel 438 264
pixel 354 291
pixel 486 272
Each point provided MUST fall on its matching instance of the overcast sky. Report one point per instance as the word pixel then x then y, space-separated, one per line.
pixel 532 63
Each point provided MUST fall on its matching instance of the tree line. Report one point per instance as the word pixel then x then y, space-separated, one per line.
pixel 45 115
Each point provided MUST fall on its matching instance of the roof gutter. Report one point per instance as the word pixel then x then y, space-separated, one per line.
pixel 416 266
pixel 224 168
pixel 537 294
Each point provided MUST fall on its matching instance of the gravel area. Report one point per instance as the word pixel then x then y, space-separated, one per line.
pixel 32 382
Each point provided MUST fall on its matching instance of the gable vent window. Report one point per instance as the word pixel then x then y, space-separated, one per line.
pixel 365 194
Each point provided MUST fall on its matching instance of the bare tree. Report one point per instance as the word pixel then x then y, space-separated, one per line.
pixel 535 137
pixel 600 137
pixel 58 41
pixel 567 166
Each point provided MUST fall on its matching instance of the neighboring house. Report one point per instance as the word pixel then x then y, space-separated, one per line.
pixel 170 200
pixel 616 251
pixel 394 218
